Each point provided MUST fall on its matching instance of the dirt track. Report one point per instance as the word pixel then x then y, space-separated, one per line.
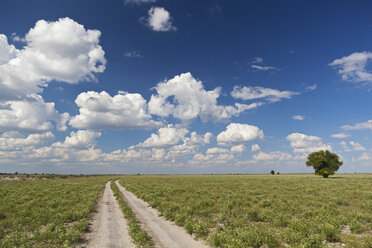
pixel 164 233
pixel 109 229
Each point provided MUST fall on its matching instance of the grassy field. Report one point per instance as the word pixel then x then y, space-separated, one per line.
pixel 264 210
pixel 48 211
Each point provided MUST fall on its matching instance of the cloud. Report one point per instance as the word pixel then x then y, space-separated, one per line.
pixel 13 140
pixel 302 143
pixel 341 135
pixel 7 52
pixel 364 157
pixel 212 159
pixel 239 133
pixel 263 68
pixel 257 60
pixel 311 87
pixel 216 150
pixel 131 154
pixel 277 155
pixel 133 54
pixel 358 126
pixel 15 37
pixel 78 148
pixel 159 20
pixel 63 51
pixel 255 148
pixel 354 146
pixel 166 147
pixel 61 122
pixel 166 136
pixel 298 117
pixel 30 115
pixel 196 139
pixel 65 156
pixel 189 145
pixel 81 139
pixel 237 149
pixel 122 111
pixel 185 98
pixel 138 2
pixel 353 67
pixel 251 93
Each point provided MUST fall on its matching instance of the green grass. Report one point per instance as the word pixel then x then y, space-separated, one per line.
pixel 46 211
pixel 138 235
pixel 264 210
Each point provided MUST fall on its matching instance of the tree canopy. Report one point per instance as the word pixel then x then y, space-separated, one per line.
pixel 325 163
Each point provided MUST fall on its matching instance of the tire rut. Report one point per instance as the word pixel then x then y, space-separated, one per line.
pixel 164 233
pixel 109 228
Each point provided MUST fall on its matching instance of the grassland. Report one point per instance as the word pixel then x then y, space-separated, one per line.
pixel 264 210
pixel 47 211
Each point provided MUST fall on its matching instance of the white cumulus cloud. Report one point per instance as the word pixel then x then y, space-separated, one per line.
pixel 255 148
pixel 353 67
pixel 81 139
pixel 102 111
pixel 216 150
pixel 302 143
pixel 7 52
pixel 13 140
pixel 159 20
pixel 165 136
pixel 238 148
pixel 239 133
pixel 185 98
pixel 30 115
pixel 62 50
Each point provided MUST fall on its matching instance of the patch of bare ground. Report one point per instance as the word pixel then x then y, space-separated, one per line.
pixel 108 227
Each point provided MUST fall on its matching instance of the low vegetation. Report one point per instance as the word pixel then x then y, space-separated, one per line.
pixel 138 235
pixel 46 211
pixel 262 210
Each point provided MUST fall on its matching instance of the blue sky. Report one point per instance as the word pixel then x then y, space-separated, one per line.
pixel 157 86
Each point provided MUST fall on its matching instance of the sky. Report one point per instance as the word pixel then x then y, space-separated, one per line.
pixel 172 87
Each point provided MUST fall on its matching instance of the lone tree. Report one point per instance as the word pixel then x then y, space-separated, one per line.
pixel 272 172
pixel 325 163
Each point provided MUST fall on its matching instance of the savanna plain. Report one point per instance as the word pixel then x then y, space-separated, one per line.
pixel 223 210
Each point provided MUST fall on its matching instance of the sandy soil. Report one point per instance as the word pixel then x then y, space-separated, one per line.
pixel 164 233
pixel 108 227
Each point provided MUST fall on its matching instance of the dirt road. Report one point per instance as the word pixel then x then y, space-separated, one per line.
pixel 109 229
pixel 164 233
